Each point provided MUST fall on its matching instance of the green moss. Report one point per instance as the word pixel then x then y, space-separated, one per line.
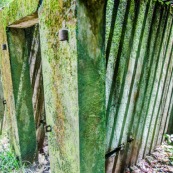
pixel 16 10
pixel 91 77
pixel 60 84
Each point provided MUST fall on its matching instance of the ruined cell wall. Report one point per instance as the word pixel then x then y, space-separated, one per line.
pixel 9 14
pixel 136 67
pixel 138 79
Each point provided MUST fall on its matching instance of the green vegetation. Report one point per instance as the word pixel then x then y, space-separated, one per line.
pixel 169 139
pixel 4 2
pixel 8 161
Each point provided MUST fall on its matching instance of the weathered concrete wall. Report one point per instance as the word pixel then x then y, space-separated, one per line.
pixel 20 69
pixel 63 103
pixel 10 14
pixel 138 79
pixel 59 61
pixel 74 77
pixel 91 84
pixel 36 80
pixel 2 106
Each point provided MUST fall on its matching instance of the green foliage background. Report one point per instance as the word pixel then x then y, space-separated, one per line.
pixel 4 2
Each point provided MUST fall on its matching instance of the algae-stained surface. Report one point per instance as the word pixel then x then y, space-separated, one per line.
pixel 63 88
pixel 139 74
pixel 19 56
pixel 4 2
pixel 91 84
pixel 11 13
pixel 60 84
pixel 138 78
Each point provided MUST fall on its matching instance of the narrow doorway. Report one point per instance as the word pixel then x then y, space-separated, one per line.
pixel 27 79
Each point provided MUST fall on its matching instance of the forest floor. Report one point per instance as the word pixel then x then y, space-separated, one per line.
pixel 160 161
pixel 43 163
pixel 10 164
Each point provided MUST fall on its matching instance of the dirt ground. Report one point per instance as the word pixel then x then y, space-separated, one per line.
pixel 160 161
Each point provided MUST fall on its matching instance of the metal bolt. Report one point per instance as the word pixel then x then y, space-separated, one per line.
pixel 48 128
pixel 4 47
pixel 4 102
pixel 63 35
pixel 130 139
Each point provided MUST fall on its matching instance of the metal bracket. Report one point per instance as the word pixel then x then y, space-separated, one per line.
pixel 48 128
pixel 119 148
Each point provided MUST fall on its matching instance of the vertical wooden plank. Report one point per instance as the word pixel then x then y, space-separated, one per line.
pixel 165 95
pixel 137 89
pixel 36 78
pixel 150 89
pixel 165 110
pixel 153 99
pixel 112 81
pixel 169 122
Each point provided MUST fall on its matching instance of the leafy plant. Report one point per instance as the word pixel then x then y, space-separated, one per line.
pixel 8 161
pixel 168 139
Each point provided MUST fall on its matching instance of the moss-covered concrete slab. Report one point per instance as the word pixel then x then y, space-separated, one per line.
pixel 11 13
